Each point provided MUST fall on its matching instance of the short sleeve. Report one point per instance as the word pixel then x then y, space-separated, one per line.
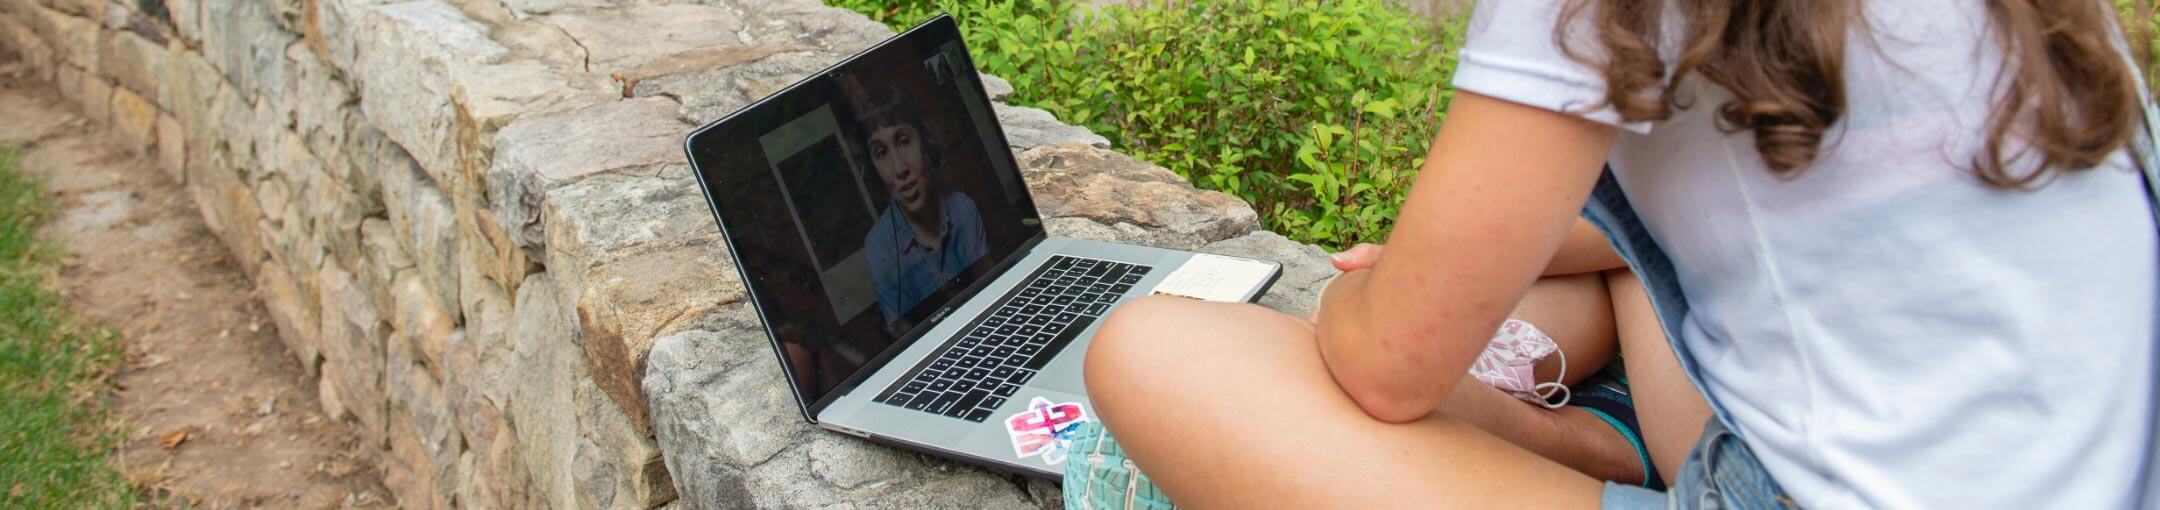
pixel 1510 53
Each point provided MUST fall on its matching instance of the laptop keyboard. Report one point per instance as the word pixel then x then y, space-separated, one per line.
pixel 973 373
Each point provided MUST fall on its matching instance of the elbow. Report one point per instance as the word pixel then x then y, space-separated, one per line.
pixel 1389 388
pixel 1389 403
pixel 1390 383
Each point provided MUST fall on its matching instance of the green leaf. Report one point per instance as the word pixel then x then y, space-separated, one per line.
pixel 1385 108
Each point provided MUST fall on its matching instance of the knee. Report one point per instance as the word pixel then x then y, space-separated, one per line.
pixel 1128 345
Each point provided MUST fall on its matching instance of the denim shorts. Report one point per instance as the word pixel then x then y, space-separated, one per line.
pixel 1721 473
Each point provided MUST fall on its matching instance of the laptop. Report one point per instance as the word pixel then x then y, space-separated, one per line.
pixel 900 267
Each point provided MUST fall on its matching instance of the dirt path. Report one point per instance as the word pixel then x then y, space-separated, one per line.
pixel 217 413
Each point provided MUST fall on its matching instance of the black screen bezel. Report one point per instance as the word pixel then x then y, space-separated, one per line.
pixel 924 39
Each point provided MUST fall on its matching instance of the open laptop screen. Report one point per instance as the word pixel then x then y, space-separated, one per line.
pixel 863 200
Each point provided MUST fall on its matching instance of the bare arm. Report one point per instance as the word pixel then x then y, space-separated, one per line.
pixel 1481 224
pixel 1584 251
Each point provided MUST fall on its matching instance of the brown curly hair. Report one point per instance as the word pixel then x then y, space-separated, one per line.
pixel 2065 92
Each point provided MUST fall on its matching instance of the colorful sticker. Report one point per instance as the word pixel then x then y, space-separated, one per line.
pixel 1045 429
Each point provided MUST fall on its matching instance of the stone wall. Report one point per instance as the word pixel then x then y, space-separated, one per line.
pixel 472 221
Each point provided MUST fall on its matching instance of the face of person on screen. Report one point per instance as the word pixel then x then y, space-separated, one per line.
pixel 897 152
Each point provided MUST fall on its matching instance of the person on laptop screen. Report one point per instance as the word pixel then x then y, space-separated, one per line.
pixel 926 235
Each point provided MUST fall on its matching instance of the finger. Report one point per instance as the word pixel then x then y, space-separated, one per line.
pixel 1362 256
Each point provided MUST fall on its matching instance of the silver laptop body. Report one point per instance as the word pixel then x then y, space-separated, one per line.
pixel 820 190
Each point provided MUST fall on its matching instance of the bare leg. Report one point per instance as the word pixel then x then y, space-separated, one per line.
pixel 1568 435
pixel 1230 406
pixel 1672 411
pixel 1576 310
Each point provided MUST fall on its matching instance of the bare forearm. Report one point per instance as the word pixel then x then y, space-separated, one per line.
pixel 1357 359
pixel 1465 250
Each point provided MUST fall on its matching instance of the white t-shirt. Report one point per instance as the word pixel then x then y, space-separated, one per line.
pixel 1885 330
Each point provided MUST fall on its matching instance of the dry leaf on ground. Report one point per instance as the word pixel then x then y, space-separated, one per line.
pixel 16 491
pixel 173 439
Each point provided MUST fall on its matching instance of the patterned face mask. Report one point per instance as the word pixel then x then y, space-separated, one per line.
pixel 1509 364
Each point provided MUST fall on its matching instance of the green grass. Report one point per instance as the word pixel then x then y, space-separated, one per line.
pixel 54 428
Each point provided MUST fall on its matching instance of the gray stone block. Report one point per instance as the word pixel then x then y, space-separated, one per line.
pixel 74 40
pixel 419 398
pixel 424 220
pixel 319 104
pixel 537 154
pixel 354 341
pixel 493 95
pixel 611 238
pixel 1126 233
pixel 172 147
pixel 335 213
pixel 625 37
pixel 368 153
pixel 525 8
pixel 84 8
pixel 186 19
pixel 480 358
pixel 709 95
pixel 383 258
pixel 1110 188
pixel 133 63
pixel 810 23
pixel 417 480
pixel 295 310
pixel 543 385
pixel 424 325
pixel 734 438
pixel 479 384
pixel 24 41
pixel 134 119
pixel 1028 128
pixel 245 42
pixel 582 451
pixel 409 57
pixel 191 76
pixel 996 88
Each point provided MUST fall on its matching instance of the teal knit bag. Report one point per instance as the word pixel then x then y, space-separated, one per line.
pixel 1099 477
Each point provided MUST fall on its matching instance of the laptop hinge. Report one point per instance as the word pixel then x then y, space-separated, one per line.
pixel 845 430
pixel 878 363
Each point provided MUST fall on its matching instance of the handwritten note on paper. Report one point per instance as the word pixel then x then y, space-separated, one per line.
pixel 1215 278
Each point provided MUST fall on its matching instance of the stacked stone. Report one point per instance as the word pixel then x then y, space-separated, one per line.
pixel 471 220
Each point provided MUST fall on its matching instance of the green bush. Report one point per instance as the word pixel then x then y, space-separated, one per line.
pixel 2142 24
pixel 1318 113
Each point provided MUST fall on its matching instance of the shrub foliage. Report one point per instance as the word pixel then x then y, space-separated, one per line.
pixel 2142 25
pixel 1318 113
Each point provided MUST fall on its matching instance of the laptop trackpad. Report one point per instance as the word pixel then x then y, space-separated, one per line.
pixel 1064 373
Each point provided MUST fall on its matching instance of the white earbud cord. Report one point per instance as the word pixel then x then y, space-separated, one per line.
pixel 1546 390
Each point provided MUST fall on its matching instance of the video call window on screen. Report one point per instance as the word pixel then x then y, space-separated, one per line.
pixel 887 187
pixel 869 197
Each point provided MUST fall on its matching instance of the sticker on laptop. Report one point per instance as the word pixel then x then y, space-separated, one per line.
pixel 1045 429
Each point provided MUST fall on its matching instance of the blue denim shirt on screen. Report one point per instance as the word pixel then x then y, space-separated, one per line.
pixel 904 270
